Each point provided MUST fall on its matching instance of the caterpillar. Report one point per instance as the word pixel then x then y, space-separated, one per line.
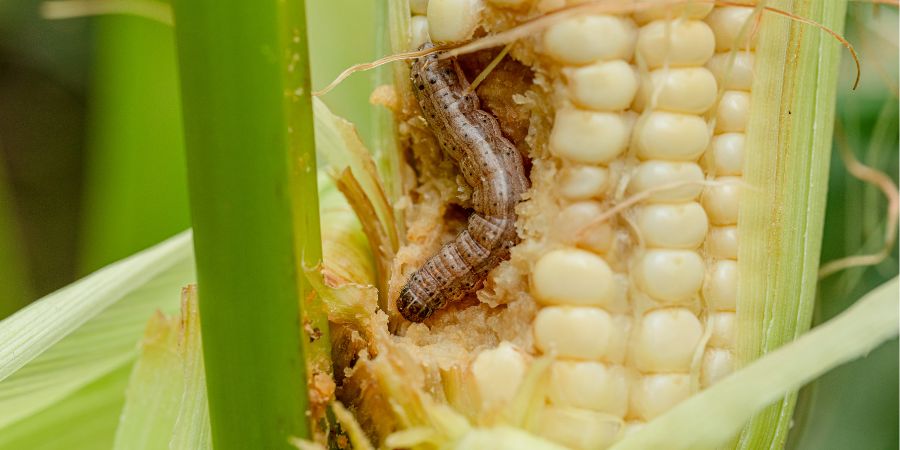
pixel 489 163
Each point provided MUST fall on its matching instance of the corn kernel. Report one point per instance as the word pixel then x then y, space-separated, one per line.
pixel 666 340
pixel 453 20
pixel 722 242
pixel 726 155
pixel 672 276
pixel 717 364
pixel 589 385
pixel 689 90
pixel 653 395
pixel 671 181
pixel 588 136
pixel 509 3
pixel 681 225
pixel 603 86
pixel 688 10
pixel 733 27
pixel 498 372
pixel 572 277
pixel 720 286
pixel 733 111
pixel 722 324
pixel 576 225
pixel 580 332
pixel 721 201
pixel 680 43
pixel 587 39
pixel 733 70
pixel 418 34
pixel 671 136
pixel 578 428
pixel 580 182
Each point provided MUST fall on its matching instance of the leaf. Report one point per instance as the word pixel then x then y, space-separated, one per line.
pixel 715 415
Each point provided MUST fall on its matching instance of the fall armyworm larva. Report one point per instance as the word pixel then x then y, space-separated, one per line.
pixel 490 164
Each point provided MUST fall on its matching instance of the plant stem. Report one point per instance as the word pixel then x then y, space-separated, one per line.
pixel 234 94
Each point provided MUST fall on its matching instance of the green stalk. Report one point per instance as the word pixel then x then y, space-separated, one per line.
pixel 231 56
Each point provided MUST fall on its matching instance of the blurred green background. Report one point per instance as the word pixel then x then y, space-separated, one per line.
pixel 91 169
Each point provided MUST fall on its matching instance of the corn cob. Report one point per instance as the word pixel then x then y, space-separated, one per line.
pixel 626 279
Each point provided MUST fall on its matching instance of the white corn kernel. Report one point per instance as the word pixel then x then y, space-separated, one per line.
pixel 653 395
pixel 720 286
pixel 681 225
pixel 669 181
pixel 666 340
pixel 717 364
pixel 679 43
pixel 453 20
pixel 733 111
pixel 509 3
pixel 722 200
pixel 726 155
pixel 589 385
pixel 418 7
pixel 586 39
pixel 603 86
pixel 588 136
pixel 572 277
pixel 671 276
pixel 578 428
pixel 580 182
pixel 498 372
pixel 576 225
pixel 581 332
pixel 733 27
pixel 689 90
pixel 687 10
pixel 671 136
pixel 722 242
pixel 722 324
pixel 733 70
pixel 418 34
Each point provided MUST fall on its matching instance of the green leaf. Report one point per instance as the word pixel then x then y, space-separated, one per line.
pixel 715 415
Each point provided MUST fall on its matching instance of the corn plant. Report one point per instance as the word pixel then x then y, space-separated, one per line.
pixel 659 293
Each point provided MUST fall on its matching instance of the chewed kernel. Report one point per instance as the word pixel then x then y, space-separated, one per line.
pixel 603 86
pixel 573 332
pixel 671 136
pixel 598 38
pixel 652 395
pixel 720 286
pixel 666 340
pixel 571 276
pixel 589 136
pixel 680 225
pixel 670 276
pixel 677 43
pixel 589 385
pixel 668 181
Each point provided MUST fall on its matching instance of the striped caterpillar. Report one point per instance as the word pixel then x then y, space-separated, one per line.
pixel 489 163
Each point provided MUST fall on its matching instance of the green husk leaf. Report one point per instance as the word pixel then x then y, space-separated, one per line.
pixel 715 415
pixel 165 403
pixel 85 331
